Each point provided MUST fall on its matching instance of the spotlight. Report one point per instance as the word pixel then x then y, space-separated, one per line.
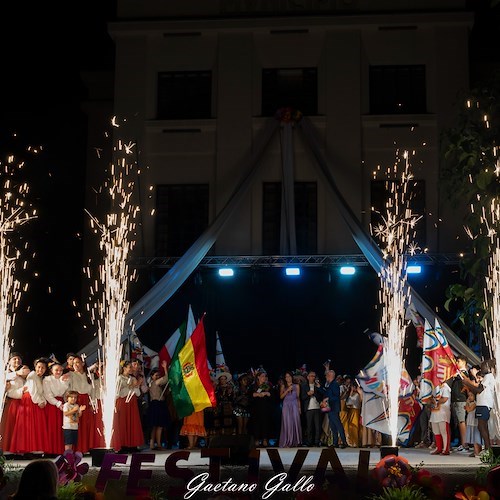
pixel 226 272
pixel 292 271
pixel 414 269
pixel 347 270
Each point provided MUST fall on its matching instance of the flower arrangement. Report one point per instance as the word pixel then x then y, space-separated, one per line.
pixel 69 467
pixel 392 472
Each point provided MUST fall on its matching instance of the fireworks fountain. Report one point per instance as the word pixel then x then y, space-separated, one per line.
pixel 395 231
pixel 492 296
pixel 110 305
pixel 13 213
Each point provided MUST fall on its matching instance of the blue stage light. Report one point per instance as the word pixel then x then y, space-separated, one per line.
pixel 347 270
pixel 226 272
pixel 414 269
pixel 292 271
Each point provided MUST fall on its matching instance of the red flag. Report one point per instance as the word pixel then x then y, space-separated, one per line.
pixel 438 361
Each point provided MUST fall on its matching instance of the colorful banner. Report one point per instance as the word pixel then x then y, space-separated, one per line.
pixel 438 361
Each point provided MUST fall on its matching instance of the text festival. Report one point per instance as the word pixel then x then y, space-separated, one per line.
pixel 281 481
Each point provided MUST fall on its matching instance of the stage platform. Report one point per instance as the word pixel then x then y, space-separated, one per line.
pixel 456 468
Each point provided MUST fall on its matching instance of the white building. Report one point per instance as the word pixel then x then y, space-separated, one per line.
pixel 196 81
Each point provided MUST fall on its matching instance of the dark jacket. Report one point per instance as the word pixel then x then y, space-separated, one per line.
pixel 332 392
pixel 305 398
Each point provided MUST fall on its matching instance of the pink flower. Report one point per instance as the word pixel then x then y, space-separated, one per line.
pixel 69 467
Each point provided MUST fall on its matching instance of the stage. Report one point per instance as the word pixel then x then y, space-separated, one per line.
pixel 454 469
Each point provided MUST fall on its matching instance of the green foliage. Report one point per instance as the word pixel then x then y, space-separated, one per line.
pixel 468 180
pixel 408 492
pixel 489 461
pixel 11 471
pixel 70 491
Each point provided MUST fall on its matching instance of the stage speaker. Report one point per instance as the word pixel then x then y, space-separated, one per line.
pixel 239 445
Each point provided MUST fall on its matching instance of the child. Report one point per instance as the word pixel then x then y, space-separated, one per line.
pixel 157 411
pixel 71 412
pixel 473 435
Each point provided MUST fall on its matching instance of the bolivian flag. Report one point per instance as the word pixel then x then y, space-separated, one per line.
pixel 192 389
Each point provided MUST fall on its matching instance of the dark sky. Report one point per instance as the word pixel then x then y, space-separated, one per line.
pixel 44 46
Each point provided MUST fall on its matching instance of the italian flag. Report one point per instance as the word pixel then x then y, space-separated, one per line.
pixel 178 338
pixel 192 389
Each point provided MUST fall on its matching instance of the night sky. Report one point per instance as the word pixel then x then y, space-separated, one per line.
pixel 43 51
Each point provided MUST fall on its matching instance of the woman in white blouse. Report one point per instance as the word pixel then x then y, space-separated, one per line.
pixel 90 423
pixel 30 429
pixel 55 386
pixel 13 394
pixel 127 429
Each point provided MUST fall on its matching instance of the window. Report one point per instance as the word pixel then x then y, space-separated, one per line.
pixel 181 217
pixel 184 95
pixel 306 216
pixel 293 87
pixel 397 90
pixel 380 192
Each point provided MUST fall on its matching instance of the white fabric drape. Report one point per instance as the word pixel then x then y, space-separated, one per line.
pixel 368 246
pixel 288 239
pixel 159 294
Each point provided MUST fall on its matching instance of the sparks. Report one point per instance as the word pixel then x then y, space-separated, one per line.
pixel 109 304
pixel 12 215
pixel 395 232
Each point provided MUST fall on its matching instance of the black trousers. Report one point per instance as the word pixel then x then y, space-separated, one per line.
pixel 313 427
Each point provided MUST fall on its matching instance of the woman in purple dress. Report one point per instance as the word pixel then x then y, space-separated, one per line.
pixel 291 429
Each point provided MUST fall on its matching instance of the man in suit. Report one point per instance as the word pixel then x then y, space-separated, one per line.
pixel 310 396
pixel 331 392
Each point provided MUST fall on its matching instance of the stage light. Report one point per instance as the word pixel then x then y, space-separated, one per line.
pixel 347 270
pixel 414 269
pixel 292 271
pixel 226 272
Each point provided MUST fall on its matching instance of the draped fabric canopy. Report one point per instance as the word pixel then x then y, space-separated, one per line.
pixel 163 290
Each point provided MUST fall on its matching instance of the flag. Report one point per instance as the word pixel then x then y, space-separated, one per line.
pixel 219 355
pixel 141 352
pixel 179 337
pixel 438 361
pixel 190 383
pixel 418 322
pixel 374 407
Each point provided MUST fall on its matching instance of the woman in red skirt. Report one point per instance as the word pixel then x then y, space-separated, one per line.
pixel 90 423
pixel 55 386
pixel 12 399
pixel 30 430
pixel 14 394
pixel 127 423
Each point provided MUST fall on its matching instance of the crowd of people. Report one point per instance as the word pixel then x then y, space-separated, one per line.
pixel 55 406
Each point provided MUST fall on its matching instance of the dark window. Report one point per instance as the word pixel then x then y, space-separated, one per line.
pixel 292 87
pixel 306 217
pixel 380 193
pixel 184 95
pixel 397 90
pixel 181 217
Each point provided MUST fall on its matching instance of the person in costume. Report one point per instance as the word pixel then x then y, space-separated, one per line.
pixel 157 415
pixel 81 380
pixel 55 386
pixel 440 419
pixel 14 394
pixel 30 431
pixel 12 398
pixel 193 427
pixel 127 423
pixel 291 426
pixel 224 394
pixel 241 408
pixel 262 408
